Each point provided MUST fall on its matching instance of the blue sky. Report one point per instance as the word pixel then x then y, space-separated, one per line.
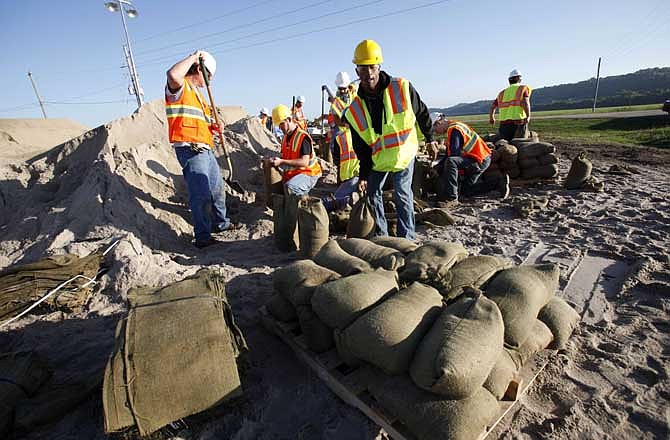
pixel 267 51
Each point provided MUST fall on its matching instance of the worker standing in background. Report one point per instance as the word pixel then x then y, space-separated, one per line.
pixel 338 103
pixel 514 107
pixel 384 117
pixel 348 170
pixel 264 118
pixel 301 169
pixel 298 113
pixel 190 129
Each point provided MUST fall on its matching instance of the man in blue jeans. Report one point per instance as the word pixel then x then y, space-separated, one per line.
pixel 190 132
pixel 463 152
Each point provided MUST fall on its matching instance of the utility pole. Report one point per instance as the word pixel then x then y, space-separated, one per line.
pixel 131 66
pixel 595 97
pixel 30 75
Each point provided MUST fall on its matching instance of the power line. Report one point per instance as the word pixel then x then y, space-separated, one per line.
pixel 84 103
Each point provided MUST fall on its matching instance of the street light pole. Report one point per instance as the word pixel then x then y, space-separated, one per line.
pixel 131 64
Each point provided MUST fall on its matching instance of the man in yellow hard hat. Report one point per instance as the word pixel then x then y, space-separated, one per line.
pixel 301 169
pixel 385 118
pixel 514 106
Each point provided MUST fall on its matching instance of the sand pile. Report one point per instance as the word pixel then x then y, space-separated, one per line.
pixel 24 138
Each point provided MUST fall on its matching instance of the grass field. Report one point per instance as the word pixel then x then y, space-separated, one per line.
pixel 579 111
pixel 650 131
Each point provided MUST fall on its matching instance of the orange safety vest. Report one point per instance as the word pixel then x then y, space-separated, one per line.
pixel 299 118
pixel 509 102
pixel 290 149
pixel 189 117
pixel 473 145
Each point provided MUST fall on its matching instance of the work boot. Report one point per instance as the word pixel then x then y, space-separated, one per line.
pixel 504 187
pixel 447 204
pixel 200 244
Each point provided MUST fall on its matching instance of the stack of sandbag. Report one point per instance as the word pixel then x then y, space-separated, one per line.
pixel 503 160
pixel 176 355
pixel 300 223
pixel 536 159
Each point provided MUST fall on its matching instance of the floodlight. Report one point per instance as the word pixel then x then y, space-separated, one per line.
pixel 112 6
pixel 132 13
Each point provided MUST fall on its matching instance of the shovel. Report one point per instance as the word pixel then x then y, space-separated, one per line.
pixel 234 184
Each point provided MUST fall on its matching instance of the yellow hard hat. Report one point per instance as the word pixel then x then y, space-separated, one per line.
pixel 280 113
pixel 368 52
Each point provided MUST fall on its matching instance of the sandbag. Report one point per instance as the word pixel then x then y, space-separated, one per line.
pixel 175 355
pixel 540 337
pixel 361 220
pixel 285 219
pixel 528 162
pixel 334 258
pixel 339 220
pixel 502 373
pixel 435 217
pixel 338 303
pixel 561 319
pixel 540 172
pixel 376 255
pixel 398 243
pixel 287 279
pixel 431 260
pixel 318 336
pixel 535 149
pixel 548 159
pixel 520 293
pixel 388 334
pixel 272 182
pixel 429 416
pixel 313 226
pixel 473 271
pixel 580 171
pixel 459 351
pixel 281 308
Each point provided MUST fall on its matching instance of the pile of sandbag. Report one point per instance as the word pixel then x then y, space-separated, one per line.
pixel 176 355
pixel 536 159
pixel 300 223
pixel 503 160
pixel 446 331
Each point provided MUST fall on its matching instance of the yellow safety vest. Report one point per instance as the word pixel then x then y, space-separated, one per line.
pixel 349 163
pixel 397 145
pixel 509 102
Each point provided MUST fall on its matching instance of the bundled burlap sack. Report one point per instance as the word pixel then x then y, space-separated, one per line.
pixel 376 255
pixel 281 308
pixel 312 226
pixel 540 172
pixel 175 355
pixel 398 243
pixel 338 303
pixel 361 220
pixel 334 258
pixel 435 217
pixel 287 279
pixel 318 336
pixel 272 182
pixel 520 293
pixel 431 260
pixel 473 271
pixel 534 149
pixel 339 220
pixel 457 355
pixel 540 337
pixel 285 219
pixel 387 335
pixel 430 416
pixel 561 319
pixel 547 159
pixel 580 171
pixel 504 370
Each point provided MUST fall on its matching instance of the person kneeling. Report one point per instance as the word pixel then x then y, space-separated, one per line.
pixel 465 151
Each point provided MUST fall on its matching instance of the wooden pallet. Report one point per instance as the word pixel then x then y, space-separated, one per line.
pixel 350 384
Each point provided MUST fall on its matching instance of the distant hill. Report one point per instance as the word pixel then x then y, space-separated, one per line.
pixel 647 86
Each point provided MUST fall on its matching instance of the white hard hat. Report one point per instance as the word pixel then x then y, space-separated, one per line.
pixel 342 79
pixel 210 62
pixel 265 111
pixel 514 73
pixel 435 116
pixel 300 99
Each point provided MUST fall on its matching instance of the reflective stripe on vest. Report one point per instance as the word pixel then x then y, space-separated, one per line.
pixel 349 163
pixel 188 118
pixel 290 149
pixel 299 118
pixel 473 147
pixel 509 102
pixel 397 145
pixel 337 107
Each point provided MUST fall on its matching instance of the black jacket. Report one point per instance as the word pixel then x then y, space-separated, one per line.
pixel 375 104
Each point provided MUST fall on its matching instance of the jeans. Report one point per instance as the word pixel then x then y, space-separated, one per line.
pixel 206 191
pixel 471 184
pixel 510 131
pixel 402 195
pixel 301 184
pixel 342 195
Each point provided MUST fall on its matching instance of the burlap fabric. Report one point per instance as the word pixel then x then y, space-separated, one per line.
pixel 580 171
pixel 431 261
pixel 361 220
pixel 387 335
pixel 272 182
pixel 473 271
pixel 520 293
pixel 376 255
pixel 338 303
pixel 561 319
pixel 398 243
pixel 313 227
pixel 286 280
pixel 175 355
pixel 318 336
pixel 334 258
pixel 435 217
pixel 459 351
pixel 281 308
pixel 534 149
pixel 285 219
pixel 539 338
pixel 540 172
pixel 504 370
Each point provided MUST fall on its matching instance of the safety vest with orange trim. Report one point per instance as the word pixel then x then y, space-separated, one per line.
pixel 473 145
pixel 509 102
pixel 299 118
pixel 290 149
pixel 397 145
pixel 189 118
pixel 349 163
pixel 264 120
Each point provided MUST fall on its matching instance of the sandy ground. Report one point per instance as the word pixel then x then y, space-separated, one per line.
pixel 121 181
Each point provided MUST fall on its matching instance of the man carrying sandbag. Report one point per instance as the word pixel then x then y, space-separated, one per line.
pixel 464 150
pixel 301 168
